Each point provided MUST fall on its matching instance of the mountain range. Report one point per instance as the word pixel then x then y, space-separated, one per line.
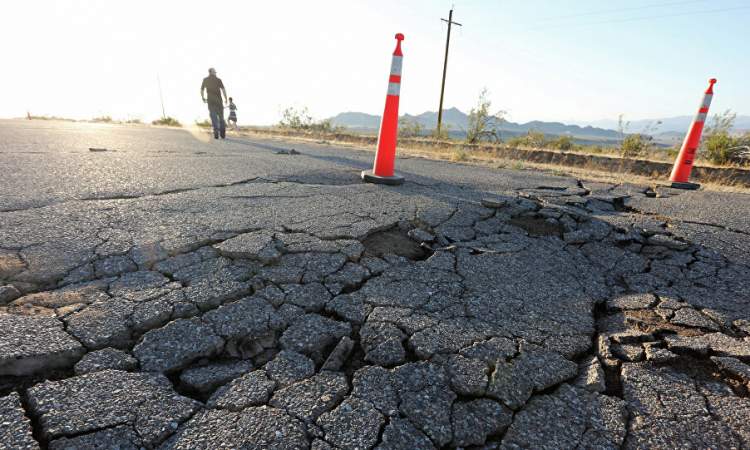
pixel 457 122
pixel 677 124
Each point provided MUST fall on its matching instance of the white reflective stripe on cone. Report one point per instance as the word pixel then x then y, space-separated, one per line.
pixel 396 65
pixel 394 88
pixel 700 117
pixel 707 101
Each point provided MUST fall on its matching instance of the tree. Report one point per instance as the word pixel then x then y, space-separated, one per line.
pixel 483 125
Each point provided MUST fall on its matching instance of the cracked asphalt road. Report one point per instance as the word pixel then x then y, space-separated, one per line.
pixel 175 293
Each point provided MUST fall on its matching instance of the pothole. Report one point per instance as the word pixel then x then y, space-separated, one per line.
pixel 537 226
pixel 174 379
pixel 394 241
pixel 701 369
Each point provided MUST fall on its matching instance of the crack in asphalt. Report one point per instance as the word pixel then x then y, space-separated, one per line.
pixel 715 225
pixel 669 219
pixel 131 196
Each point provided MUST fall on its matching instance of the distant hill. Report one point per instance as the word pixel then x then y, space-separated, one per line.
pixel 356 120
pixel 453 118
pixel 670 138
pixel 677 124
pixel 457 122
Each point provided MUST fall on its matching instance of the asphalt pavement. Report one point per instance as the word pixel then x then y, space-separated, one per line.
pixel 166 290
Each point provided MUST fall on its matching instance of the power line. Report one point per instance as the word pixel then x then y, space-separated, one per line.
pixel 634 19
pixel 633 8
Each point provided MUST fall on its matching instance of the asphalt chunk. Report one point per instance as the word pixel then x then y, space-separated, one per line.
pixel 146 403
pixel 176 345
pixel 31 345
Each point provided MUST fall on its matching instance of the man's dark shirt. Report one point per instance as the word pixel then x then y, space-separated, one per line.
pixel 212 84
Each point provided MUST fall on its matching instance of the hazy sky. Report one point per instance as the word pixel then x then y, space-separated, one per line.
pixel 547 60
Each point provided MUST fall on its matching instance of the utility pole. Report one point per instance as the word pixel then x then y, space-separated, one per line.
pixel 161 97
pixel 445 68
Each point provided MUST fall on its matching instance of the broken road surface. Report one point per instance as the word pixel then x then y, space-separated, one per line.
pixel 178 294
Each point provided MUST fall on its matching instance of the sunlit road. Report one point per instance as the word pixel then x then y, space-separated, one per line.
pixel 50 162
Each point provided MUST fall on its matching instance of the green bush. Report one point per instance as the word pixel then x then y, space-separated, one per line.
pixel 325 126
pixel 562 143
pixel 205 123
pixel 167 121
pixel 718 145
pixel 409 128
pixel 634 146
pixel 514 141
pixel 533 139
pixel 102 119
pixel 637 144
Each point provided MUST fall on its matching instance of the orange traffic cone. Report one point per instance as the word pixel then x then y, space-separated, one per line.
pixel 382 171
pixel 683 165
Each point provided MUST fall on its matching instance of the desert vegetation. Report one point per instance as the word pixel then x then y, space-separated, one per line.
pixel 301 120
pixel 483 124
pixel 409 128
pixel 721 147
pixel 44 117
pixel 167 122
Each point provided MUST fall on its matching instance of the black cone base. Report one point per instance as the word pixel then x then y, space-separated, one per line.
pixel 690 186
pixel 370 177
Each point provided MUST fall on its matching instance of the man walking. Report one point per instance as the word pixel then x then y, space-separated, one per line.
pixel 213 86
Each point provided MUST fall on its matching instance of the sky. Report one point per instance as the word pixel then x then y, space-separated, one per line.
pixel 555 60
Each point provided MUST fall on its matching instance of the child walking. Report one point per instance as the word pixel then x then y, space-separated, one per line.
pixel 233 114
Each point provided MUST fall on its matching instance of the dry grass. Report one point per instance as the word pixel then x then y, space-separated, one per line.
pixel 487 158
pixel 459 155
